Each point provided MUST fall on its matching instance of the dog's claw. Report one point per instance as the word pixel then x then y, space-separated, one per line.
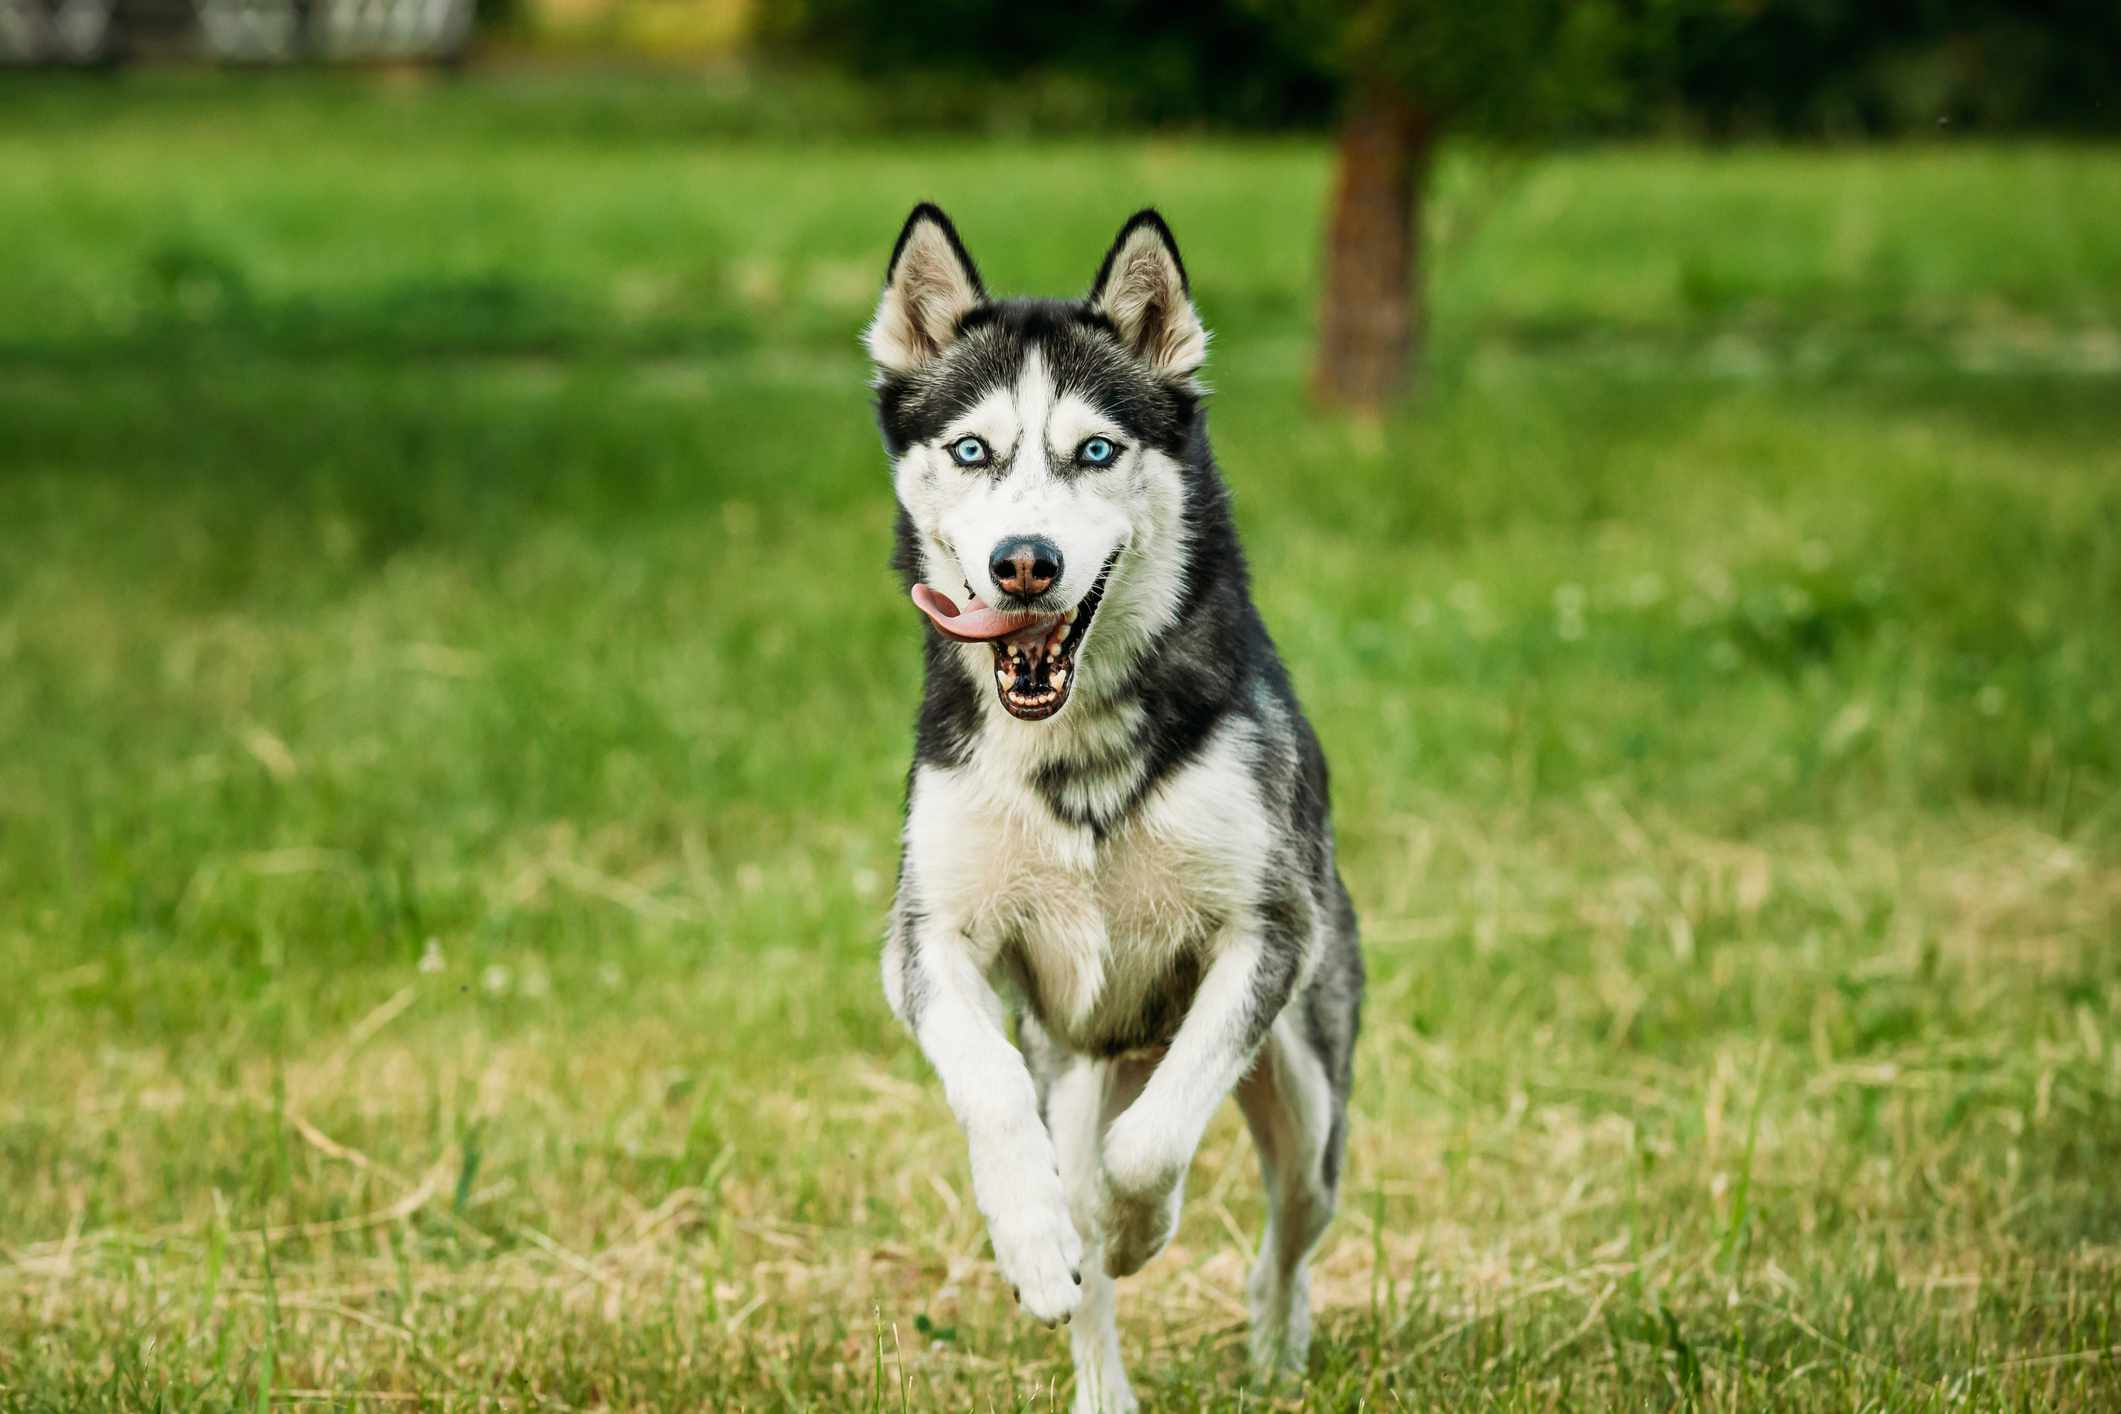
pixel 1037 1249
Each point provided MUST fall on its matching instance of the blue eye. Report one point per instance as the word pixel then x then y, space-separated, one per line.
pixel 968 451
pixel 1098 451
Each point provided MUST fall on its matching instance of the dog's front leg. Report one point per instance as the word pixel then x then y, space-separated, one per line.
pixel 958 1021
pixel 1150 1146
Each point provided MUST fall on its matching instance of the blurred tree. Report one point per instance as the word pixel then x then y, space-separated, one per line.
pixel 1410 70
pixel 1399 72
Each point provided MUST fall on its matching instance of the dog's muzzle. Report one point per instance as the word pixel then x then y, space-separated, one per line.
pixel 1034 654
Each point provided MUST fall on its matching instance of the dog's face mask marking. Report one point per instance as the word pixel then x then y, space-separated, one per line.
pixel 1037 448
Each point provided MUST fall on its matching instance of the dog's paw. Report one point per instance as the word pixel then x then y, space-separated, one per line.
pixel 1041 1257
pixel 1141 1163
pixel 1281 1321
pixel 1136 1229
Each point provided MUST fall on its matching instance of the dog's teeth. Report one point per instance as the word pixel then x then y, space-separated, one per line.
pixel 1060 635
pixel 1069 617
pixel 1001 675
pixel 1060 677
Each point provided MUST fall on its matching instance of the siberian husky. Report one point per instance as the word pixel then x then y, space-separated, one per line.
pixel 1117 831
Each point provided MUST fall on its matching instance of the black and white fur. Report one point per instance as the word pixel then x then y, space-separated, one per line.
pixel 1146 877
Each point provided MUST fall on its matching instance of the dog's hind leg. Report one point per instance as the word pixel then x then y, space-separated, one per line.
pixel 1295 1101
pixel 1295 1113
pixel 1076 1107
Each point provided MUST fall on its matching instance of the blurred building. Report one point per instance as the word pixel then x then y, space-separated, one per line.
pixel 88 33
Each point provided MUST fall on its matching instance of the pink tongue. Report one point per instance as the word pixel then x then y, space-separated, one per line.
pixel 976 623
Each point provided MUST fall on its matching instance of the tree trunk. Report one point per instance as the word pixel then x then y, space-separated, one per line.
pixel 1370 319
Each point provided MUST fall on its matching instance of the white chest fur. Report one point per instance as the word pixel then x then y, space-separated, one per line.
pixel 1095 920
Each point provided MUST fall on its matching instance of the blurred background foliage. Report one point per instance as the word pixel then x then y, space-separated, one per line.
pixel 1715 68
pixel 1395 78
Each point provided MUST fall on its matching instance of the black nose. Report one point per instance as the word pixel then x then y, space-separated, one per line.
pixel 1025 566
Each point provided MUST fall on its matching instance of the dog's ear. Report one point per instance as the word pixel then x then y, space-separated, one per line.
pixel 1142 289
pixel 929 286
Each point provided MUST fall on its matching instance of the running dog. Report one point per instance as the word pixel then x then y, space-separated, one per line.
pixel 1117 830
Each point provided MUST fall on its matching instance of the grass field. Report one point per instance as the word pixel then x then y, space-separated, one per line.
pixel 446 818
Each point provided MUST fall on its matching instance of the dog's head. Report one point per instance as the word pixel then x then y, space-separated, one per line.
pixel 1039 452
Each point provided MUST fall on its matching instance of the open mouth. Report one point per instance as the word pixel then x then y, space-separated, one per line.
pixel 1034 654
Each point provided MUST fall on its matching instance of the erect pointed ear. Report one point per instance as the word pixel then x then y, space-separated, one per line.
pixel 1141 288
pixel 930 284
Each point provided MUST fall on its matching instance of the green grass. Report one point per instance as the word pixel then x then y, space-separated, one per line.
pixel 446 815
